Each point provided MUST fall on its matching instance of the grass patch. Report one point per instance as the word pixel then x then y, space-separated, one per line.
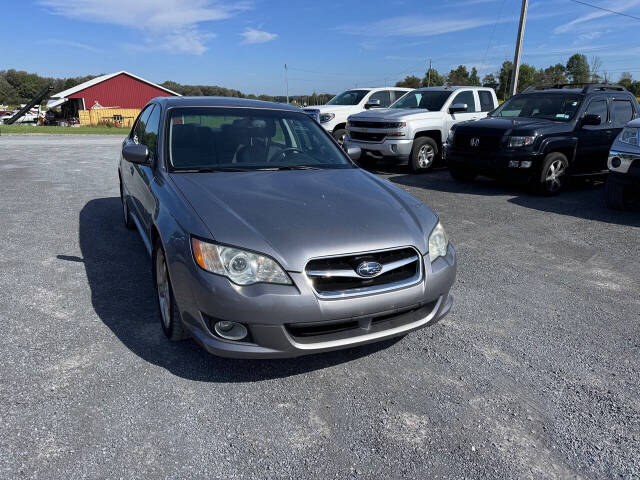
pixel 11 129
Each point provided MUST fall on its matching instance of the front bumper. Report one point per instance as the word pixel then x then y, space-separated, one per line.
pixel 391 149
pixel 629 163
pixel 508 163
pixel 274 314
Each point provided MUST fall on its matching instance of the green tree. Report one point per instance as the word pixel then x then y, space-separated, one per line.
pixel 526 77
pixel 459 76
pixel 433 79
pixel 490 81
pixel 504 79
pixel 578 69
pixel 473 77
pixel 410 81
pixel 626 80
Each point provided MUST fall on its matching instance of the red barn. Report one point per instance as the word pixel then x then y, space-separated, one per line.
pixel 121 90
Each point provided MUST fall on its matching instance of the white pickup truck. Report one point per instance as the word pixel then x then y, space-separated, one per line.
pixel 333 116
pixel 415 128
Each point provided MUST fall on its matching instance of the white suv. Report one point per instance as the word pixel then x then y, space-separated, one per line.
pixel 333 116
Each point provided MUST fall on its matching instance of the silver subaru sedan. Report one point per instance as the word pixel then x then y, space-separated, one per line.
pixel 267 240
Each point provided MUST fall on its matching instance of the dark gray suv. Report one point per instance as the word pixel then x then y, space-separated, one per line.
pixel 267 241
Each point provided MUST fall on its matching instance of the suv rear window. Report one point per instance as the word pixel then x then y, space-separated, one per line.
pixel 622 112
pixel 486 100
pixel 554 106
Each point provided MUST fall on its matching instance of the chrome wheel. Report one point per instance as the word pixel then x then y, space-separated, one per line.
pixel 426 154
pixel 162 285
pixel 341 139
pixel 555 173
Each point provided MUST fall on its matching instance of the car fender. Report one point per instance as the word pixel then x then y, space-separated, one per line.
pixel 566 145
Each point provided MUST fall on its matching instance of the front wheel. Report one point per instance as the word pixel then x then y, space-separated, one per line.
pixel 423 154
pixel 170 320
pixel 340 135
pixel 553 176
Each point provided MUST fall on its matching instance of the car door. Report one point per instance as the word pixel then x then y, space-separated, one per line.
pixel 130 171
pixel 146 173
pixel 622 112
pixel 464 96
pixel 593 140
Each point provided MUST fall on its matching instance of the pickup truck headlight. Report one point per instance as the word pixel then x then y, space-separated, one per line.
pixel 517 142
pixel 438 243
pixel 629 135
pixel 326 117
pixel 239 266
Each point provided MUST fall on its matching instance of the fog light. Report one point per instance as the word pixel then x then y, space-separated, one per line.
pixel 393 148
pixel 616 162
pixel 525 164
pixel 514 163
pixel 230 330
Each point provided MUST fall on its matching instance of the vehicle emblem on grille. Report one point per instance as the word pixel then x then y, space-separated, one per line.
pixel 368 269
pixel 475 141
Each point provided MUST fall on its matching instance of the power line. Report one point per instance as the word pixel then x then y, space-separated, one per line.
pixel 605 9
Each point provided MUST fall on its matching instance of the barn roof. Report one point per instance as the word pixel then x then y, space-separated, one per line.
pixel 102 78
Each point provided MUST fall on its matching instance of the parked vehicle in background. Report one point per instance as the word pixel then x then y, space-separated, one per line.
pixel 333 116
pixel 31 116
pixel 623 182
pixel 543 135
pixel 414 128
pixel 267 241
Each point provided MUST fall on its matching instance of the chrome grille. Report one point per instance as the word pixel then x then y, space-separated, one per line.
pixel 337 276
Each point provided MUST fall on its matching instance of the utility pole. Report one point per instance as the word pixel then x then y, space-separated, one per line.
pixel 429 74
pixel 518 53
pixel 286 81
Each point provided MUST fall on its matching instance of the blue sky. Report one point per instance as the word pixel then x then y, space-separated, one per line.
pixel 329 46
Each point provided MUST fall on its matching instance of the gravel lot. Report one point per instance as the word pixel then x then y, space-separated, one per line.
pixel 534 374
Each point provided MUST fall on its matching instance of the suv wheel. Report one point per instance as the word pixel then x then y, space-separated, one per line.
pixel 461 175
pixel 553 174
pixel 615 194
pixel 170 320
pixel 423 154
pixel 340 135
pixel 126 215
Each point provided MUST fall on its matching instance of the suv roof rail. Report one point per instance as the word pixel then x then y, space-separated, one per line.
pixel 586 87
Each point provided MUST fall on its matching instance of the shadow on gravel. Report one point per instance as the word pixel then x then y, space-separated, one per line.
pixel 119 274
pixel 580 199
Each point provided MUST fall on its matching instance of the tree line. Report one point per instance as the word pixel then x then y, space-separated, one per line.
pixel 576 70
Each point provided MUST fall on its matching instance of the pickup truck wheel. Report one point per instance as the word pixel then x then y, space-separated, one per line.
pixel 615 195
pixel 423 155
pixel 340 135
pixel 170 320
pixel 126 215
pixel 462 175
pixel 553 175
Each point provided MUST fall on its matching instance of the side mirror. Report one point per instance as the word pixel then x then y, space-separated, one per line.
pixel 458 107
pixel 374 103
pixel 591 119
pixel 354 153
pixel 136 153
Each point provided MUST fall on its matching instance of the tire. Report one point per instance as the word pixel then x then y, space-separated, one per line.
pixel 340 135
pixel 462 175
pixel 170 320
pixel 423 155
pixel 615 194
pixel 126 214
pixel 552 177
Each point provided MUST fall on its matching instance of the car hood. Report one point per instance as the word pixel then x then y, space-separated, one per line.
pixel 297 215
pixel 494 126
pixel 395 114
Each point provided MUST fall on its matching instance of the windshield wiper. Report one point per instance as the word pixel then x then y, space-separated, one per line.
pixel 290 167
pixel 211 170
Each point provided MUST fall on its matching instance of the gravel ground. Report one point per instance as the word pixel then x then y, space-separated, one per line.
pixel 534 374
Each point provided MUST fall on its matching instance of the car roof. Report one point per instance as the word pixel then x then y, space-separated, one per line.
pixel 170 102
pixel 451 88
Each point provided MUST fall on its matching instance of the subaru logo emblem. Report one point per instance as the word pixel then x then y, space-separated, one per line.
pixel 368 269
pixel 475 141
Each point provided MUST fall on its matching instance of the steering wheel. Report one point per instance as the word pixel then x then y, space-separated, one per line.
pixel 285 152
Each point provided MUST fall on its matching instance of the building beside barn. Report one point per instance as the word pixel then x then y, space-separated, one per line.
pixel 114 99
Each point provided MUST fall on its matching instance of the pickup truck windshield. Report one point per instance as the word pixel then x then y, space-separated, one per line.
pixel 214 139
pixel 350 97
pixel 429 100
pixel 558 107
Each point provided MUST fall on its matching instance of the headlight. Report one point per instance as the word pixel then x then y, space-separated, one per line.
pixel 438 243
pixel 325 117
pixel 239 266
pixel 517 142
pixel 629 135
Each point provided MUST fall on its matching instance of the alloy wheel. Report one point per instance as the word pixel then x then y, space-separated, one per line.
pixel 426 154
pixel 553 179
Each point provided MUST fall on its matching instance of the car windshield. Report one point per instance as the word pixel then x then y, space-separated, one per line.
pixel 424 99
pixel 350 97
pixel 233 139
pixel 549 107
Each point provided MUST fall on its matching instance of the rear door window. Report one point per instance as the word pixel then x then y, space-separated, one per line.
pixel 398 94
pixel 486 101
pixel 622 112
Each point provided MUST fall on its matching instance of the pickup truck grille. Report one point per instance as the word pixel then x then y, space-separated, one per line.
pixel 485 143
pixel 336 277
pixel 367 136
pixel 363 124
